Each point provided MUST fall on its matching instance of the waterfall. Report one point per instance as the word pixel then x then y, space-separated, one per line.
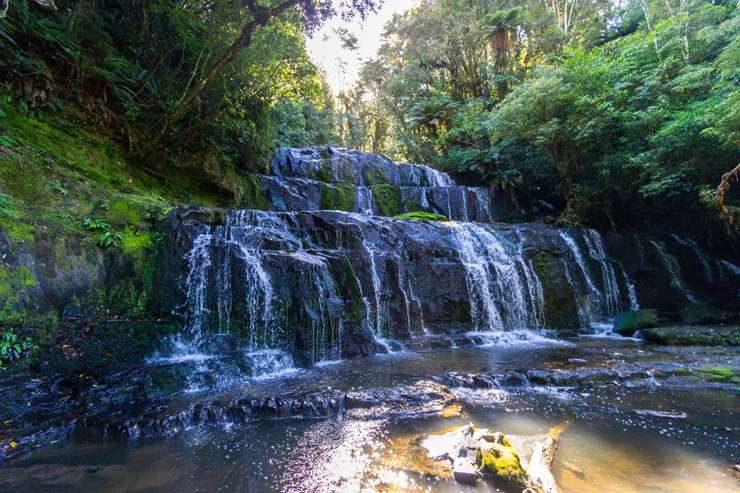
pixel 611 287
pixel 534 285
pixel 464 193
pixel 674 270
pixel 227 271
pixel 631 290
pixel 364 201
pixel 379 324
pixel 585 271
pixel 602 304
pixel 438 179
pixel 496 281
pixel 483 199
pixel 703 258
pixel 199 264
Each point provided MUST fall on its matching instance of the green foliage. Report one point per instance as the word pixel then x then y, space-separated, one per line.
pixel 13 347
pixel 110 239
pixel 125 69
pixel 96 224
pixel 605 113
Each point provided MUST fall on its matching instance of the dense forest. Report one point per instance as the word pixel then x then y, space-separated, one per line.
pixel 611 112
pixel 615 111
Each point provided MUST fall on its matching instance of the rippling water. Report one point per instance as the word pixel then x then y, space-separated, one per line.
pixel 605 447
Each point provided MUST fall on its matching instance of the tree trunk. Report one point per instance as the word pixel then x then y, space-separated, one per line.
pixel 261 17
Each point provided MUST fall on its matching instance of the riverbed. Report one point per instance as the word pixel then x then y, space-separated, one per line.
pixel 599 392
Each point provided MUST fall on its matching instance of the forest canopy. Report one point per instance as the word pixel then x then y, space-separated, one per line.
pixel 609 112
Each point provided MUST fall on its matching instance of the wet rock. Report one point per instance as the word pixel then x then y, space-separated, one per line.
pixel 701 314
pixel 463 469
pixel 661 414
pixel 693 335
pixel 500 461
pixel 630 322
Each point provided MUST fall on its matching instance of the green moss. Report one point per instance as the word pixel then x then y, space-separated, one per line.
pixel 420 216
pixel 502 462
pixel 693 336
pixel 122 212
pixel 338 197
pixel 628 323
pixel 252 196
pixel 135 241
pixel 388 199
pixel 721 375
pixel 375 178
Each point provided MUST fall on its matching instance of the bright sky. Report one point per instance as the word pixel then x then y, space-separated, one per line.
pixel 340 65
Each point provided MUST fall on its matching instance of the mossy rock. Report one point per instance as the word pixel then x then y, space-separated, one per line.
pixel 123 212
pixel 338 197
pixel 420 216
pixel 696 313
pixel 561 309
pixel 721 375
pixel 252 196
pixel 501 462
pixel 693 336
pixel 627 323
pixel 388 199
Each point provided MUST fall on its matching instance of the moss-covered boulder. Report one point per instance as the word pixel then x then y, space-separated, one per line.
pixel 696 313
pixel 500 461
pixel 693 336
pixel 626 324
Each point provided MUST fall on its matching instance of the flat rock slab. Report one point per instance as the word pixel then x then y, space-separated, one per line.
pixel 661 414
pixel 463 469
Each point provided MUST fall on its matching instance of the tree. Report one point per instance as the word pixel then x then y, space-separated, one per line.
pixel 315 13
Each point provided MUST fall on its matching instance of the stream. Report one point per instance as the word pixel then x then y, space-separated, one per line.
pixel 606 446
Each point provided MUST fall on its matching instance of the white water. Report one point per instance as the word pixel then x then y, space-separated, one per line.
pixel 500 297
pixel 674 270
pixel 365 201
pixel 731 267
pixel 578 257
pixel 703 258
pixel 611 286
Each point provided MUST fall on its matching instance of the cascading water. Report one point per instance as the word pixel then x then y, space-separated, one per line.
pixel 501 297
pixel 703 258
pixel 598 306
pixel 278 282
pixel 594 293
pixel 674 270
pixel 226 270
pixel 612 294
pixel 365 201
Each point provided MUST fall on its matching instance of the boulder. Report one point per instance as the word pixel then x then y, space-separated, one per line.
pixel 630 322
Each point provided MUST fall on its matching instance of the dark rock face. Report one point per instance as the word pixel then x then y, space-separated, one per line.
pixel 315 279
pixel 417 400
pixel 340 283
